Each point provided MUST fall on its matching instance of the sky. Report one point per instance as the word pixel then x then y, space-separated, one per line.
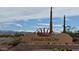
pixel 29 19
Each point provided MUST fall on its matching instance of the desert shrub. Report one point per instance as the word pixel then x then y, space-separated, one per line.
pixel 6 35
pixel 14 43
pixel 19 34
pixel 16 35
pixel 64 49
pixel 75 39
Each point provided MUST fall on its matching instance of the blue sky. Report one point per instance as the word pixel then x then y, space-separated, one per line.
pixel 30 18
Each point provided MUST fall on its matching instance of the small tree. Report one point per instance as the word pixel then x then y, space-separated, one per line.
pixel 68 28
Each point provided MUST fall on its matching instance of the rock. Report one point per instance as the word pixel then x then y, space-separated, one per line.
pixel 64 38
pixel 4 49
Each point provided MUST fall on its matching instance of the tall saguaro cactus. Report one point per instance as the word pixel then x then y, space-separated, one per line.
pixel 51 21
pixel 64 25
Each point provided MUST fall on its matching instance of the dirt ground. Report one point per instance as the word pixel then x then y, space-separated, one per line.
pixel 51 43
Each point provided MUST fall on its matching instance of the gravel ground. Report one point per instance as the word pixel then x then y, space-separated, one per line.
pixel 5 43
pixel 25 47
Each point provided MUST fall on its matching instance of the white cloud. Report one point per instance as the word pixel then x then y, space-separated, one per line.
pixel 19 25
pixel 68 11
pixel 39 20
pixel 8 24
pixel 46 25
pixel 19 13
pixel 43 24
pixel 58 25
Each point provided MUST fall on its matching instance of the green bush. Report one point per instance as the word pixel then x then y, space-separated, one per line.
pixel 14 43
pixel 6 36
pixel 19 34
pixel 64 49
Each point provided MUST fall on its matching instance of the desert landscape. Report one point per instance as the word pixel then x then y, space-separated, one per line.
pixel 27 43
pixel 44 38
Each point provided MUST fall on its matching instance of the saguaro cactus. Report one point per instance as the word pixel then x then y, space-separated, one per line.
pixel 64 25
pixel 51 21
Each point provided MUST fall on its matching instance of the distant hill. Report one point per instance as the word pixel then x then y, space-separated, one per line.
pixel 7 32
pixel 2 32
